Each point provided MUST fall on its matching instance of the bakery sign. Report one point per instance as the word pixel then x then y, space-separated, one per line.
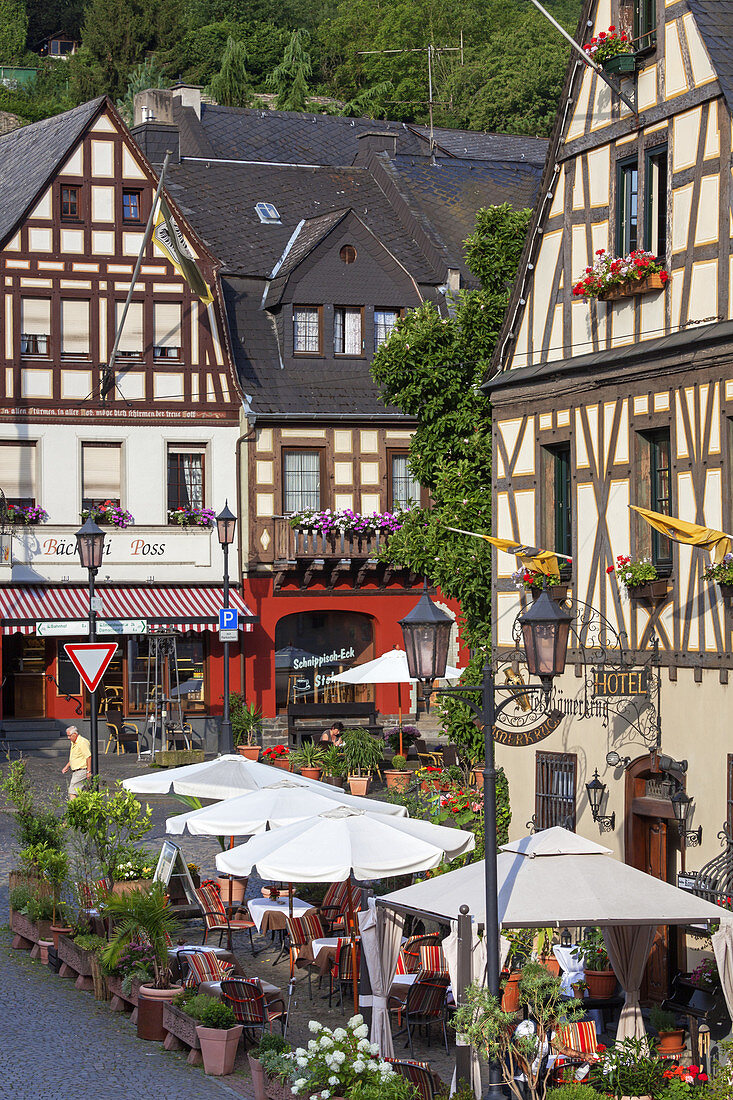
pixel 134 545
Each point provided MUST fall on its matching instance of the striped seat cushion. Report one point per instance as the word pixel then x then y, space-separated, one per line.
pixel 579 1038
pixel 432 959
pixel 204 966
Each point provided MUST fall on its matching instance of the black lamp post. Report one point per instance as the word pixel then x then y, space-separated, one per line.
pixel 682 805
pixel 596 789
pixel 90 547
pixel 545 627
pixel 226 523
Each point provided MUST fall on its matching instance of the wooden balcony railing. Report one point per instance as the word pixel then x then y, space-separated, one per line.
pixel 294 546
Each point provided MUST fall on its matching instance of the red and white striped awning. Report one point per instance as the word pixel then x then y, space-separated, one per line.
pixel 189 607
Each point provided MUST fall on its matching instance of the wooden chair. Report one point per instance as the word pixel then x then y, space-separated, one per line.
pixel 333 910
pixel 417 1073
pixel 342 970
pixel 575 1045
pixel 216 918
pixel 120 731
pixel 424 1005
pixel 203 966
pixel 247 998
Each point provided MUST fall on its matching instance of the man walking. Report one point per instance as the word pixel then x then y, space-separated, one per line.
pixel 80 761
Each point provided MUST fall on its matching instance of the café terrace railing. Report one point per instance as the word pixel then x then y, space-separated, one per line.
pixel 293 546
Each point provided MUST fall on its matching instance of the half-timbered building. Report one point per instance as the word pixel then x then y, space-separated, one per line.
pixel 155 436
pixel 600 404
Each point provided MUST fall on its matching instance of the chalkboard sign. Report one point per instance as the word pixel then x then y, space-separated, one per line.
pixel 172 865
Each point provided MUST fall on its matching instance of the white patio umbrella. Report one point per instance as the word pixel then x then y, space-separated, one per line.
pixel 340 842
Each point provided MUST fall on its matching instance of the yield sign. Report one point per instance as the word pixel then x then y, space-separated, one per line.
pixel 90 659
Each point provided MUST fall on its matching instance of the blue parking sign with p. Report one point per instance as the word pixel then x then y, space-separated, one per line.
pixel 228 618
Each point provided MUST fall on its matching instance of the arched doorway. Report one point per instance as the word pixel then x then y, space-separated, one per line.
pixel 652 845
pixel 311 646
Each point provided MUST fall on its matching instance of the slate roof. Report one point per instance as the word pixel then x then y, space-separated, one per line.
pixel 714 19
pixel 477 145
pixel 30 155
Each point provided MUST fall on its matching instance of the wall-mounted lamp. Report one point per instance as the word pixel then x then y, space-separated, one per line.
pixel 596 790
pixel 667 764
pixel 614 760
pixel 683 807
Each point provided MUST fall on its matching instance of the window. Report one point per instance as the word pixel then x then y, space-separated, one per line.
pixel 131 340
pixel 191 654
pixel 348 254
pixel 75 328
pixel 307 330
pixel 563 501
pixel 384 321
pixel 555 783
pixel 18 473
pixel 301 480
pixel 167 329
pixel 659 474
pixel 35 326
pixel 131 206
pixel 404 490
pixel 655 207
pixel 101 467
pixel 645 24
pixel 266 212
pixel 185 477
pixel 347 330
pixel 627 206
pixel 70 204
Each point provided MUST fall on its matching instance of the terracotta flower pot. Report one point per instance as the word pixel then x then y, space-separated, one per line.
pixel 283 763
pixel 252 752
pixel 550 964
pixel 510 996
pixel 478 774
pixel 601 983
pixel 219 1048
pixel 44 946
pixel 258 1077
pixel 335 781
pixel 359 784
pixel 397 780
pixel 310 773
pixel 58 930
pixel 238 888
pixel 150 1003
pixel 671 1042
pixel 131 884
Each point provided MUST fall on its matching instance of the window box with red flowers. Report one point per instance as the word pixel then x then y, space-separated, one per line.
pixel 535 583
pixel 612 51
pixel 640 578
pixel 613 277
pixel 279 757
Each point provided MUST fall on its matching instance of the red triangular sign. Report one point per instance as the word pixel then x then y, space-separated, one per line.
pixel 90 659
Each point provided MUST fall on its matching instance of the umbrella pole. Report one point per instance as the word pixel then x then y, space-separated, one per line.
pixel 229 907
pixel 399 711
pixel 351 919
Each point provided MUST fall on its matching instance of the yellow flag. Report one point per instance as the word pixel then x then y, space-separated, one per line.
pixel 532 557
pixel 171 242
pixel 691 534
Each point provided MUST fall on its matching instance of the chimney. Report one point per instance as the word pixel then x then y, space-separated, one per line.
pixel 153 105
pixel 188 95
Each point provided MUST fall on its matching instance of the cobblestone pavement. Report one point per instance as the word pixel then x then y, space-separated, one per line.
pixel 61 1044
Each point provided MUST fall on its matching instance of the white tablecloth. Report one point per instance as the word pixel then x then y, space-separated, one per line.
pixel 571 967
pixel 259 906
pixel 320 945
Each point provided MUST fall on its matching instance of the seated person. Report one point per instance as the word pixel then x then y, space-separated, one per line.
pixel 333 734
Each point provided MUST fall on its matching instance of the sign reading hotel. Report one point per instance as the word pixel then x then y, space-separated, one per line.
pixel 132 546
pixel 633 681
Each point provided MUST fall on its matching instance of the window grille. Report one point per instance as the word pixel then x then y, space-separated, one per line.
pixel 555 789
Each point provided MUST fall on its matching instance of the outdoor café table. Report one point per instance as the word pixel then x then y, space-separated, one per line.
pixel 320 952
pixel 269 914
pixel 402 982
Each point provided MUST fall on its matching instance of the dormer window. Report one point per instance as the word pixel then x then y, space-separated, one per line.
pixel 266 212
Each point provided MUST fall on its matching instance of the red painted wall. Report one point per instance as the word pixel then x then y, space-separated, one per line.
pixel 384 606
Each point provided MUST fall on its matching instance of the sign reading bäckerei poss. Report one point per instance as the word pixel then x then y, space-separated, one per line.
pixel 132 546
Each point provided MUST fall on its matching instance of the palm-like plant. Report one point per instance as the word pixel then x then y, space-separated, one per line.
pixel 141 916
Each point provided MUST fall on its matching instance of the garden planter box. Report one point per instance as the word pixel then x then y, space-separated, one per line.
pixel 131 884
pixel 264 1087
pixel 652 590
pixel 181 1032
pixel 175 758
pixel 27 933
pixel 76 963
pixel 557 592
pixel 726 590
pixel 621 63
pixel 628 290
pixel 122 1002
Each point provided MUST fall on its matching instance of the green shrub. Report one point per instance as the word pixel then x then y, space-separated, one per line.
pixel 399 763
pixel 394 1087
pixel 20 897
pixel 276 1043
pixel 88 942
pixel 40 908
pixel 572 1091
pixel 662 1019
pixel 214 1013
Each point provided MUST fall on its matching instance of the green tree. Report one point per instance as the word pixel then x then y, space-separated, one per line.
pixel 110 821
pixel 431 368
pixel 230 86
pixel 118 35
pixel 45 17
pixel 13 30
pixel 290 79
pixel 148 74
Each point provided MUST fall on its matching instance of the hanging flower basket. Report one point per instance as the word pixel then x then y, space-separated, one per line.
pixel 657 281
pixel 611 50
pixel 557 592
pixel 653 590
pixel 620 63
pixel 726 590
pixel 721 572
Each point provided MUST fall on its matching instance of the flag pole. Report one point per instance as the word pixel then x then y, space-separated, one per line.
pixel 109 371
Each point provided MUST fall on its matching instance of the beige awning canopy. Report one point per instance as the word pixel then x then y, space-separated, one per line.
pixel 557 878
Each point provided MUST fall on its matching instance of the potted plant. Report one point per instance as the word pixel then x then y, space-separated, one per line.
pixel 26 514
pixel 705 975
pixel 309 759
pixel 334 766
pixel 111 823
pixel 362 754
pixel 400 739
pixel 430 777
pixel 520 944
pixel 543 949
pixel 579 989
pixel 398 777
pixel 192 517
pixel 612 51
pixel 144 915
pixel 671 1037
pixel 246 721
pixel 219 1035
pixel 335 1061
pixel 598 974
pixel 639 577
pixel 133 872
pixel 537 583
pixel 630 1070
pixel 613 277
pixel 722 573
pixel 108 514
pixel 278 756
pixel 271 1068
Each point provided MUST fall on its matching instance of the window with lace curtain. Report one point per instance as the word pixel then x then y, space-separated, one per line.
pixel 185 478
pixel 301 481
pixel 347 330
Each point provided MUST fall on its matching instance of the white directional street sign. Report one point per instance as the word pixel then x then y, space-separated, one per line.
pixel 74 628
pixel 90 659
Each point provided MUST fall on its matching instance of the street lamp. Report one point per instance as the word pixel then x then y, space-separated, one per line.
pixel 90 548
pixel 682 805
pixel 226 522
pixel 426 630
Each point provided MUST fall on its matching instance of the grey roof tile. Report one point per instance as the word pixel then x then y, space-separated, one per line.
pixel 714 19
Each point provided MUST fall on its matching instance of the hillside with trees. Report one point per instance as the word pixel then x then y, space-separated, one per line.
pixel 497 64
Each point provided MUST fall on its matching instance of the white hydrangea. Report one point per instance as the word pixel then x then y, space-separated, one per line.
pixel 333 1080
pixel 358 1067
pixel 312 1044
pixel 299 1052
pixel 363 1044
pixel 300 1081
pixel 361 1031
pixel 374 1048
pixel 326 1042
pixel 355 1021
pixel 339 1056
pixel 385 1068
pixel 314 1025
pixel 339 1033
pixel 325 1094
pixel 301 1062
pixel 294 1089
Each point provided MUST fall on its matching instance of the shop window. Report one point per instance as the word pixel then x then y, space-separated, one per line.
pixel 101 474
pixel 404 489
pixel 347 331
pixel 185 478
pixel 167 330
pixel 131 338
pixel 627 205
pixel 191 680
pixel 75 328
pixel 306 330
pixel 131 206
pixel 384 321
pixel 311 647
pixel 301 481
pixel 655 212
pixel 555 789
pixel 24 676
pixel 35 326
pixel 70 203
pixel 18 473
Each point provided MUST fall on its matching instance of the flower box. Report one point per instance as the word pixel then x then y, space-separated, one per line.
pixel 181 1032
pixel 265 1087
pixel 621 63
pixel 28 932
pixel 76 963
pixel 726 590
pixel 634 286
pixel 557 592
pixel 125 886
pixel 175 758
pixel 652 590
pixel 122 1001
pixel 191 517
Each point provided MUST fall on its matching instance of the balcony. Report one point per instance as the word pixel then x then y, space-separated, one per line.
pixel 308 556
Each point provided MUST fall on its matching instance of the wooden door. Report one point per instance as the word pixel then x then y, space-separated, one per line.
pixel 656 976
